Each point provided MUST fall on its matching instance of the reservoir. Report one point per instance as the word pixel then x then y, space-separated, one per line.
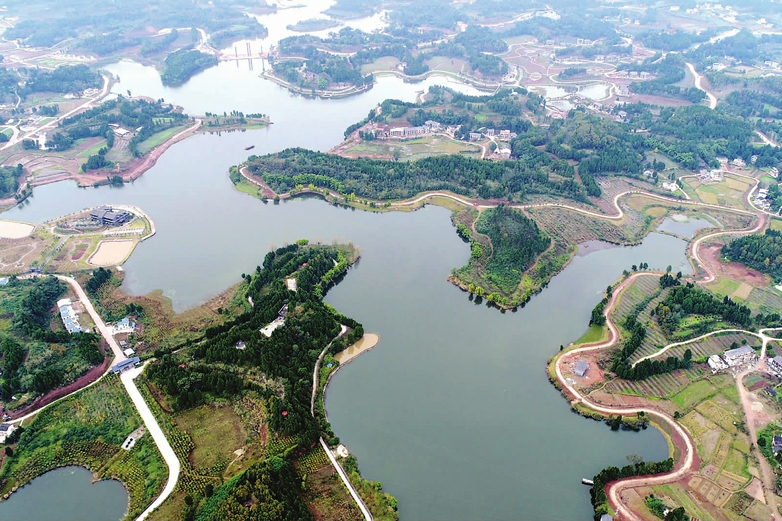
pixel 66 494
pixel 452 411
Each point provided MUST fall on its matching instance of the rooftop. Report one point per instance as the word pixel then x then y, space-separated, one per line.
pixel 739 351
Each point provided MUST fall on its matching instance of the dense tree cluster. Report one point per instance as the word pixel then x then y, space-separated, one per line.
pixel 267 490
pixel 183 64
pixel 191 386
pixel 65 78
pixel 691 300
pixel 378 179
pixel 9 180
pixel 760 252
pixel 516 242
pixel 31 332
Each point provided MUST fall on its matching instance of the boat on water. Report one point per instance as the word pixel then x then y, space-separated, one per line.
pixel 586 481
pixel 250 147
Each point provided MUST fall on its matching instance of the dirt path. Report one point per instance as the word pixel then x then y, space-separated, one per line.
pixel 680 437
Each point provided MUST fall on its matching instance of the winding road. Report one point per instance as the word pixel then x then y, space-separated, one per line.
pixel 689 464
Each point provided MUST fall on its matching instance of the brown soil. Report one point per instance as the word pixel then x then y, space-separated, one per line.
pixel 84 380
pixel 732 270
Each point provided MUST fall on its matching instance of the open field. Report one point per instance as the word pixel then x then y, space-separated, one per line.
pixel 729 192
pixel 412 149
pixel 112 253
pixel 216 431
pixel 14 230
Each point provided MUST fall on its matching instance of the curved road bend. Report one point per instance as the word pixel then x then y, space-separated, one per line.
pixel 353 492
pixel 698 84
pixel 689 464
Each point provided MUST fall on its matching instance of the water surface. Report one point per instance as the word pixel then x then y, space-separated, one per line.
pixel 66 494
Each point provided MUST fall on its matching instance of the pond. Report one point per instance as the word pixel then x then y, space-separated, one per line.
pixel 684 226
pixel 66 494
pixel 595 91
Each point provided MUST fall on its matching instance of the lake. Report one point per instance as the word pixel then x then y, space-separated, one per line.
pixel 66 494
pixel 452 411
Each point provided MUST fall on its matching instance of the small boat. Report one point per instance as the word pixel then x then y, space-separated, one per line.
pixel 585 481
pixel 250 147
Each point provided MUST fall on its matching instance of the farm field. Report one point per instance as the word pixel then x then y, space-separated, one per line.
pixel 729 192
pixel 413 149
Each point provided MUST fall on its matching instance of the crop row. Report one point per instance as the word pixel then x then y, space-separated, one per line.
pixel 313 461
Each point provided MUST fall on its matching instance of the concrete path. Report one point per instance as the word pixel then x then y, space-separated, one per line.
pixel 353 492
pixel 157 435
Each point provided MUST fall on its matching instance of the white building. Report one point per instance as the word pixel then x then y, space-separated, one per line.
pixel 739 356
pixel 716 363
pixel 775 364
pixel 5 430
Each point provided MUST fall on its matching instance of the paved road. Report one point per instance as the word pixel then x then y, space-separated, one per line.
pixel 688 464
pixel 353 492
pixel 157 434
pixel 55 121
pixel 699 85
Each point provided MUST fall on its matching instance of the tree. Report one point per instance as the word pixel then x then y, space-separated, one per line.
pixel 9 452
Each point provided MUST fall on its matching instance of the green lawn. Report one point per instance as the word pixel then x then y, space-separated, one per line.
pixel 693 394
pixel 159 138
pixel 593 334
pixel 216 432
pixel 724 287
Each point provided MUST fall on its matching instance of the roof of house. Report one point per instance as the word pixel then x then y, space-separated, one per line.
pixel 606 517
pixel 6 427
pixel 739 351
pixel 126 363
pixel 581 367
pixel 777 360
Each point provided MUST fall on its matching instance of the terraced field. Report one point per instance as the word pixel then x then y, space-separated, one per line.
pixel 658 386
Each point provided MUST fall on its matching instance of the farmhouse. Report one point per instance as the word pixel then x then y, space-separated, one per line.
pixel 716 363
pixel 776 445
pixel 108 216
pixel 739 356
pixel 5 430
pixel 69 316
pixel 775 364
pixel 123 366
pixel 581 368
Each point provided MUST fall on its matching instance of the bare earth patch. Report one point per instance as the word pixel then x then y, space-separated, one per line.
pixel 12 230
pixel 731 270
pixel 111 253
pixel 367 342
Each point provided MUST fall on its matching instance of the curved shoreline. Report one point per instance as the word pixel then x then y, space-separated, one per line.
pixel 691 461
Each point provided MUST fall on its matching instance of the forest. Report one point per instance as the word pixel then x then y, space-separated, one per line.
pixel 65 79
pixel 36 358
pixel 762 252
pixel 183 64
pixel 9 180
pixel 214 369
pixel 515 242
pixel 384 180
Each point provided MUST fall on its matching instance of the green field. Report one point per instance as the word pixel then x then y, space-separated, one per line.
pixel 88 429
pixel 159 138
pixel 413 149
pixel 693 394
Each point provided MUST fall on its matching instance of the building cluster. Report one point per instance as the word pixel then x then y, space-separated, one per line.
pixel 732 358
pixel 761 199
pixel 108 216
pixel 408 132
pixel 631 75
pixel 70 318
pixel 123 326
pixel 706 175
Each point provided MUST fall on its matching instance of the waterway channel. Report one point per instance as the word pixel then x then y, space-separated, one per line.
pixel 67 494
pixel 452 411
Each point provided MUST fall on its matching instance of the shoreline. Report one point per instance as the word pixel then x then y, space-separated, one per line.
pixel 347 361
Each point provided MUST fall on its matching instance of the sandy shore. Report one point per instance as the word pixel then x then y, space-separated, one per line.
pixel 14 230
pixel 111 253
pixel 367 342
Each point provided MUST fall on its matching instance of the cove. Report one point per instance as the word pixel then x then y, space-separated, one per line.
pixel 66 494
pixel 452 411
